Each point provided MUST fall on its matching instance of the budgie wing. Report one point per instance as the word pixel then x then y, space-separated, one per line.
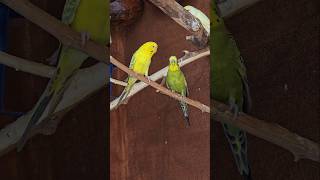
pixel 133 61
pixel 243 74
pixel 69 11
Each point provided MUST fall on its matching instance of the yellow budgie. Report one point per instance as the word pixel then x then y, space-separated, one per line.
pixel 140 63
pixel 90 18
pixel 205 21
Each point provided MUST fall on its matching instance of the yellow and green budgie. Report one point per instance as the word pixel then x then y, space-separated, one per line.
pixel 90 18
pixel 176 81
pixel 139 63
pixel 229 85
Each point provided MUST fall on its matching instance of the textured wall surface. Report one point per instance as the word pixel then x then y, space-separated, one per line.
pixel 78 149
pixel 152 119
pixel 280 42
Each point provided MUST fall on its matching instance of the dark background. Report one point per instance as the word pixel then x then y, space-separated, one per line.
pixel 279 41
pixel 78 149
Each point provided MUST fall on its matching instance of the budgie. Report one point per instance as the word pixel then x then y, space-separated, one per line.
pixel 176 81
pixel 205 21
pixel 229 85
pixel 90 18
pixel 139 63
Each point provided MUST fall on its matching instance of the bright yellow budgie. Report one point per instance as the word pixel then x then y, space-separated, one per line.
pixel 140 63
pixel 90 18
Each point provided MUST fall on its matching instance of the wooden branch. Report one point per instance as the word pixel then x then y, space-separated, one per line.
pixel 186 59
pixel 20 64
pixel 301 147
pixel 185 19
pixel 115 81
pixel 162 89
pixel 81 87
pixel 65 34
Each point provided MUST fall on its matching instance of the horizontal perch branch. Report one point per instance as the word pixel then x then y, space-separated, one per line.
pixel 301 147
pixel 115 81
pixel 185 19
pixel 188 58
pixel 20 64
pixel 162 89
pixel 55 27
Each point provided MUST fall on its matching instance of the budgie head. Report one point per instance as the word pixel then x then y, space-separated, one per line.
pixel 173 63
pixel 149 47
pixel 216 20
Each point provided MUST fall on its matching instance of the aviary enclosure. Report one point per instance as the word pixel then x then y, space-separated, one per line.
pixel 272 39
pixel 146 137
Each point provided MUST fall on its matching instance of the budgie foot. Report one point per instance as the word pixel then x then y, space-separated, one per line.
pixel 53 59
pixel 149 79
pixel 85 36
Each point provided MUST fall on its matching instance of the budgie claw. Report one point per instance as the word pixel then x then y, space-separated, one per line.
pixel 85 36
pixel 149 79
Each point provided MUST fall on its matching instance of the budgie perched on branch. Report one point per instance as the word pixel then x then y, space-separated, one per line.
pixel 90 18
pixel 229 85
pixel 176 81
pixel 139 63
pixel 205 21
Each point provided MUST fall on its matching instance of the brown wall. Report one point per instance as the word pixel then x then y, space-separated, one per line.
pixel 280 42
pixel 78 149
pixel 150 118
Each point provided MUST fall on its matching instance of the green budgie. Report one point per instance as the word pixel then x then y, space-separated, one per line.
pixel 90 18
pixel 205 21
pixel 176 81
pixel 229 85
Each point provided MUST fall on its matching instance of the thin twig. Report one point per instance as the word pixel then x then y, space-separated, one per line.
pixel 301 147
pixel 20 64
pixel 186 59
pixel 65 34
pixel 115 81
pixel 162 89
